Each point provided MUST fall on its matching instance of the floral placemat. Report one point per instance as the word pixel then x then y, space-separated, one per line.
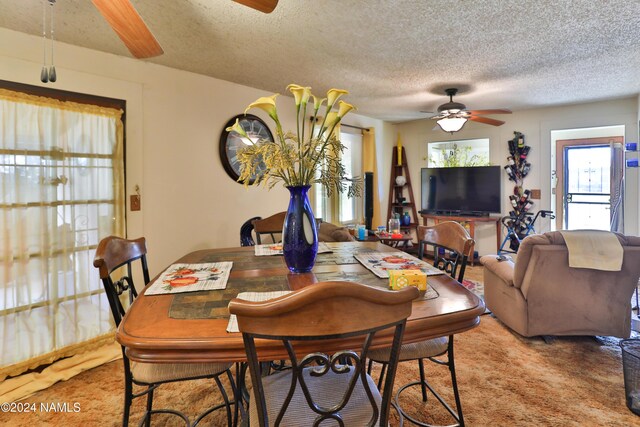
pixel 180 278
pixel 276 249
pixel 380 262
pixel 255 297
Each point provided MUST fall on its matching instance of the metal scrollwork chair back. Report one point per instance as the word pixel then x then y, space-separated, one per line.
pixel 246 238
pixel 112 254
pixel 455 239
pixel 325 384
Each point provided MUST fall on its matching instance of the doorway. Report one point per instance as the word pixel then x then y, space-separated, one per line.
pixel 587 172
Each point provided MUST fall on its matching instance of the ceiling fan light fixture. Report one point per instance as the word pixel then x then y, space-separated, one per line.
pixel 451 124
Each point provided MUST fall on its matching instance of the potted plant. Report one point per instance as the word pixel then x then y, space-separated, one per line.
pixel 310 155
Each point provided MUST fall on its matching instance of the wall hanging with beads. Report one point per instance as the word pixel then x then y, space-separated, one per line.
pixel 517 169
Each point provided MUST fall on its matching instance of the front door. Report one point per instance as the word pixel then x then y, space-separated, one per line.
pixel 584 180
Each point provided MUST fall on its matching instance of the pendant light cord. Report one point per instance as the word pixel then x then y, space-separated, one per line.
pixel 44 32
pixel 51 2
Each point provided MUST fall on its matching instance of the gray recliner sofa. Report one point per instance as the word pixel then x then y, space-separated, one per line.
pixel 540 294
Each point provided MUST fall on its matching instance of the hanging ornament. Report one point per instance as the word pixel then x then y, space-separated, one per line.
pixel 52 69
pixel 44 74
pixel 47 74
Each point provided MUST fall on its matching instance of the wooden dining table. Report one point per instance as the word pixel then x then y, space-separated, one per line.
pixel 191 327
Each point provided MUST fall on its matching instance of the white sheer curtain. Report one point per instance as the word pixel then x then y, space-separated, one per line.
pixel 61 182
pixel 617 187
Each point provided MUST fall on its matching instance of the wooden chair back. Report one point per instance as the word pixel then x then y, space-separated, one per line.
pixel 271 225
pixel 112 253
pixel 451 237
pixel 325 311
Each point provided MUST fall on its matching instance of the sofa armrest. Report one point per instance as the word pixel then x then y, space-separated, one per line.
pixel 502 269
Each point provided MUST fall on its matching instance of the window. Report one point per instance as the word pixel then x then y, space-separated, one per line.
pixel 466 152
pixel 340 208
pixel 61 176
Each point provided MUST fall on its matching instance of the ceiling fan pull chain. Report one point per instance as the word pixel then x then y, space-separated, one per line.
pixel 44 74
pixel 52 70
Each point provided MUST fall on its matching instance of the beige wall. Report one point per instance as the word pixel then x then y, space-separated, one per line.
pixel 536 125
pixel 174 120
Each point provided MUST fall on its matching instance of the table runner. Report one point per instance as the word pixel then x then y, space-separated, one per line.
pixel 213 304
pixel 276 249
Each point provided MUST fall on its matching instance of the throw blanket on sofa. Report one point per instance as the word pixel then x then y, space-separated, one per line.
pixel 594 249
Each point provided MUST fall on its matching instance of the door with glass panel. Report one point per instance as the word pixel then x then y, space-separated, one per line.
pixel 587 187
pixel 590 187
pixel 61 190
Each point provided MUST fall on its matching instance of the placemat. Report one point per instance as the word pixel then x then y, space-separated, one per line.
pixel 181 278
pixel 256 297
pixel 380 262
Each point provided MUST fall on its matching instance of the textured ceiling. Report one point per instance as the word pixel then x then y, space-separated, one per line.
pixel 395 57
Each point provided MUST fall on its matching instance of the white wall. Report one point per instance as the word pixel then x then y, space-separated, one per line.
pixel 174 121
pixel 536 125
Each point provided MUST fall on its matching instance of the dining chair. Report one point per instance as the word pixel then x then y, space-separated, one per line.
pixel 452 248
pixel 112 254
pixel 271 225
pixel 322 386
pixel 246 236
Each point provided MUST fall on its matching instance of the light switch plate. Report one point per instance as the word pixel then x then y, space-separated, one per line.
pixel 535 194
pixel 135 203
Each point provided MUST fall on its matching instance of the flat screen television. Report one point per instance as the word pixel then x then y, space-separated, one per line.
pixel 462 191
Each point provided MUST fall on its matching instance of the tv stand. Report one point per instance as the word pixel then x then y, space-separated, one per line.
pixel 455 213
pixel 471 220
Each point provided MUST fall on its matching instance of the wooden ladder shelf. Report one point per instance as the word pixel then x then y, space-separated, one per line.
pixel 401 192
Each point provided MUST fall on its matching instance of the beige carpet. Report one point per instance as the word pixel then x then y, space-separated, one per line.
pixel 504 380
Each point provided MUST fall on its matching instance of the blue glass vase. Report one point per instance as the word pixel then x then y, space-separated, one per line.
pixel 299 233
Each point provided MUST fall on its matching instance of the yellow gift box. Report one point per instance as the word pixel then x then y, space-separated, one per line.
pixel 398 279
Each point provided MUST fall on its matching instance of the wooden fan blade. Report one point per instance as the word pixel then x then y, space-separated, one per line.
pixel 486 120
pixel 130 27
pixel 485 112
pixel 265 6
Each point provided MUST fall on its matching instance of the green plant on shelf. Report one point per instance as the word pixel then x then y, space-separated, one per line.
pixel 456 157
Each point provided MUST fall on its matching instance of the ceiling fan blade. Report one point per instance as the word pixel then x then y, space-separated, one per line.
pixel 486 120
pixel 127 23
pixel 265 6
pixel 485 112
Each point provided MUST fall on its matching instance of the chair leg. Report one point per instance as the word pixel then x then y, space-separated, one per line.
pixel 226 401
pixel 383 370
pixel 149 408
pixel 454 383
pixel 128 397
pixel 422 380
pixel 240 388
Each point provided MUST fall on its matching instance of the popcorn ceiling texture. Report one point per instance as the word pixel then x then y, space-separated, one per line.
pixel 395 57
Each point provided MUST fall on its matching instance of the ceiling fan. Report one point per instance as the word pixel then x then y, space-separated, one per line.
pixel 134 33
pixel 452 116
